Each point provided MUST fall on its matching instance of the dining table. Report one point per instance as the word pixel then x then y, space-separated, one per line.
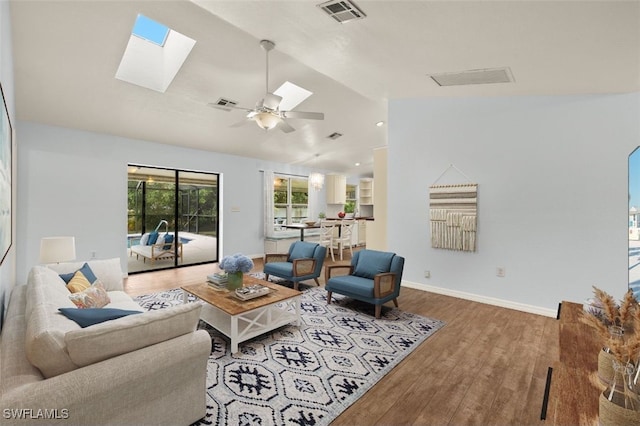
pixel 301 227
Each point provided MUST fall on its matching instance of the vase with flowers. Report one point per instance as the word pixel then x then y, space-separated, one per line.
pixel 618 326
pixel 236 266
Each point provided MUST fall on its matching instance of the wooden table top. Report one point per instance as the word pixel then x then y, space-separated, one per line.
pixel 302 226
pixel 575 387
pixel 229 303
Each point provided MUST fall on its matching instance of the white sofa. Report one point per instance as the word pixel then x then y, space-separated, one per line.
pixel 148 368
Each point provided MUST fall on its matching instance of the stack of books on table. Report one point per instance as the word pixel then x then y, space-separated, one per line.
pixel 217 280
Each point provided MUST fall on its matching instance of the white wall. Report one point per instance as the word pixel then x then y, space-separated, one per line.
pixel 552 175
pixel 8 267
pixel 73 182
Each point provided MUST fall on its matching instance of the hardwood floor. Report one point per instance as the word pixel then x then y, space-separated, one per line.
pixel 486 366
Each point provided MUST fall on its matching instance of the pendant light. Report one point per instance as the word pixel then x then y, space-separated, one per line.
pixel 316 179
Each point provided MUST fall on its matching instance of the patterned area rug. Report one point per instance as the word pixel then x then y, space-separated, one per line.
pixel 304 375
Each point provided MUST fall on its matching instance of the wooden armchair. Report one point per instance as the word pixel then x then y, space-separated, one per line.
pixel 373 276
pixel 303 262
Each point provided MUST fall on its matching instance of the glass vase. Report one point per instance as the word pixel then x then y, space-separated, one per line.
pixel 234 280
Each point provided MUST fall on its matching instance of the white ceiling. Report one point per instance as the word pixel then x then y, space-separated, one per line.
pixel 66 54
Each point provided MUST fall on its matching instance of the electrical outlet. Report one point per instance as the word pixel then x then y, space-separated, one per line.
pixel 427 274
pixel 93 254
pixel 500 272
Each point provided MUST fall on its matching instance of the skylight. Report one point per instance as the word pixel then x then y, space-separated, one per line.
pixel 292 95
pixel 148 29
pixel 154 55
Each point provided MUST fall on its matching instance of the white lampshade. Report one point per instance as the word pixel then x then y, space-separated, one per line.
pixel 316 180
pixel 266 120
pixel 57 249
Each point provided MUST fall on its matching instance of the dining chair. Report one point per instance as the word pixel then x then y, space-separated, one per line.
pixel 344 240
pixel 327 230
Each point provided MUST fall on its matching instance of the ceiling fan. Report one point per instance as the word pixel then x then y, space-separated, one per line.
pixel 267 113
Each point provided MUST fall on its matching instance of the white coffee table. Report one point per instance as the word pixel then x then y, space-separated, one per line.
pixel 243 320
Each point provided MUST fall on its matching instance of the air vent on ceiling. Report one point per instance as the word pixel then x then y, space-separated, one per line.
pixel 334 135
pixel 222 103
pixel 482 76
pixel 342 10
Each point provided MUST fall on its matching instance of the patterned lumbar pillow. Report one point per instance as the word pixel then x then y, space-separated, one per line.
pixel 78 283
pixel 93 297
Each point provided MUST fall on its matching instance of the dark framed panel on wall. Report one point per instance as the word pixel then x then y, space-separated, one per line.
pixel 6 215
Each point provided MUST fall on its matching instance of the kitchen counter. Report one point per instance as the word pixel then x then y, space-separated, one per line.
pixel 356 218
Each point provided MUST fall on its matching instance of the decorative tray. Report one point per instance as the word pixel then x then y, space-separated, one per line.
pixel 251 292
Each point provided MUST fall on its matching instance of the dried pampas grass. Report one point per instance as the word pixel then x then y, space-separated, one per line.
pixel 625 347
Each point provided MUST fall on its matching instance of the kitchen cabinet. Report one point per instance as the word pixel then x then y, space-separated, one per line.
pixel 336 189
pixel 362 233
pixel 366 191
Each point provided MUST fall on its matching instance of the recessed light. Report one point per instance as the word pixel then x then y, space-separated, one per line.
pixel 357 164
pixel 380 123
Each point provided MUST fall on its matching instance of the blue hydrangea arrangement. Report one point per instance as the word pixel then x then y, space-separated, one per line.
pixel 236 263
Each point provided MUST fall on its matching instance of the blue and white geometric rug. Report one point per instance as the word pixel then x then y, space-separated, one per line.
pixel 304 375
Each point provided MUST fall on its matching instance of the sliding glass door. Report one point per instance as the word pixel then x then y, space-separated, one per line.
pixel 172 218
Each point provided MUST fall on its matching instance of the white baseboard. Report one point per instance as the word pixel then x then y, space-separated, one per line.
pixel 483 299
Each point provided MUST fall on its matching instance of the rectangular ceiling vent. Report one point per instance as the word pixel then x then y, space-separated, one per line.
pixel 342 10
pixel 334 135
pixel 482 76
pixel 222 103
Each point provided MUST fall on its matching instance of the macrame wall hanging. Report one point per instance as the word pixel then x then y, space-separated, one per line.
pixel 453 215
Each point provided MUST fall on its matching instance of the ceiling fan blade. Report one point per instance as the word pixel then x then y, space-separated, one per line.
pixel 242 123
pixel 303 114
pixel 271 101
pixel 285 127
pixel 228 107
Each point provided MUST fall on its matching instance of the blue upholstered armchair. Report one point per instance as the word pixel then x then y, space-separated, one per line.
pixel 303 262
pixel 373 277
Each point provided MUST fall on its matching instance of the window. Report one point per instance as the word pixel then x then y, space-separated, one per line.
pixel 290 200
pixel 177 203
pixel 350 206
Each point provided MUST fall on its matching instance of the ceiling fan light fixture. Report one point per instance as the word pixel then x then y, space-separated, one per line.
pixel 266 120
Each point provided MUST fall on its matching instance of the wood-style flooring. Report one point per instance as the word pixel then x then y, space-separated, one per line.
pixel 486 366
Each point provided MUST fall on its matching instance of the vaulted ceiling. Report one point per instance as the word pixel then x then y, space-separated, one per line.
pixel 66 54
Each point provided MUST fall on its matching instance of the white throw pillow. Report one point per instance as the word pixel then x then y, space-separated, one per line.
pixel 144 239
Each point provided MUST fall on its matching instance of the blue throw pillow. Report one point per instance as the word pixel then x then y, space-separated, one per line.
pixel 90 316
pixel 167 239
pixel 372 262
pixel 153 237
pixel 86 271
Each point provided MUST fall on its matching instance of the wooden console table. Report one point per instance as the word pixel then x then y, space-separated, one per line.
pixel 575 387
